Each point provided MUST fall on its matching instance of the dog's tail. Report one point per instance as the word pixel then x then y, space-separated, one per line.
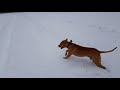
pixel 108 51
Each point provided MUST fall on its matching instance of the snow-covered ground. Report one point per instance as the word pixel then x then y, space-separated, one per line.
pixel 29 44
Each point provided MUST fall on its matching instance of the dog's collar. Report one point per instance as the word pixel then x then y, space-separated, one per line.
pixel 69 44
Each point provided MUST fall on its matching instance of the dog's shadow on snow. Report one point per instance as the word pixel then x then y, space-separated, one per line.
pixel 80 62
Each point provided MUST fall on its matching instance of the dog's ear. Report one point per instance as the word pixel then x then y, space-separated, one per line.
pixel 66 39
pixel 71 41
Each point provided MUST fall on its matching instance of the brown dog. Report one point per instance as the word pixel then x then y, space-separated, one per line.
pixel 77 50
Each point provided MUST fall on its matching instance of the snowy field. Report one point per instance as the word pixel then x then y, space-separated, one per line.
pixel 29 44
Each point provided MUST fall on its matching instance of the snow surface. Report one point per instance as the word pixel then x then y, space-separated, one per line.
pixel 29 44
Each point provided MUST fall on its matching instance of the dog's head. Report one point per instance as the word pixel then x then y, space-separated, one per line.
pixel 64 43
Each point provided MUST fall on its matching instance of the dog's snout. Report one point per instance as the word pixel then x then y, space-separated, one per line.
pixel 58 45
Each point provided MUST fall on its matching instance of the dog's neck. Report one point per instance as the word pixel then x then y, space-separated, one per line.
pixel 69 43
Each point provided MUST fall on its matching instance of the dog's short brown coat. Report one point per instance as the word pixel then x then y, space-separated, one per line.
pixel 77 50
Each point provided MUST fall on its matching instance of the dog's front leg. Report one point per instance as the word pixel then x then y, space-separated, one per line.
pixel 67 56
pixel 70 52
pixel 66 53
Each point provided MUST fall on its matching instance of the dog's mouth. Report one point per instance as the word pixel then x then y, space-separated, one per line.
pixel 60 46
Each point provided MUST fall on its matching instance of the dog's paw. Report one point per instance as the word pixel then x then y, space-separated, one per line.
pixel 65 57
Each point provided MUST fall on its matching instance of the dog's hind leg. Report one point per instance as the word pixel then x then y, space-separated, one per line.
pixel 97 61
pixel 99 58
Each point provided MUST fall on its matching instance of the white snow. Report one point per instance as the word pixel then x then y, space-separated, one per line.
pixel 29 44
